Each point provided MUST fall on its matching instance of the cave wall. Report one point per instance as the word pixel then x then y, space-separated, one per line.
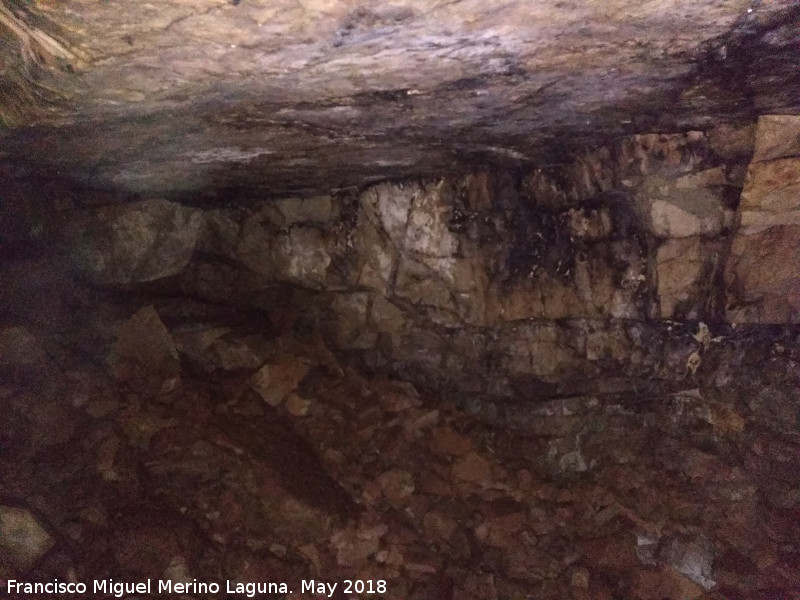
pixel 621 266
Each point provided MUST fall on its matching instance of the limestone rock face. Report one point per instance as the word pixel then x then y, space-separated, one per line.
pixel 687 206
pixel 685 269
pixel 763 271
pixel 548 279
pixel 137 242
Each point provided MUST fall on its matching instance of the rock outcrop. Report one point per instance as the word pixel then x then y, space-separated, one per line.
pixel 763 272
pixel 550 282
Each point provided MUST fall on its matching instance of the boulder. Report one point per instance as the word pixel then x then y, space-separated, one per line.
pixel 136 242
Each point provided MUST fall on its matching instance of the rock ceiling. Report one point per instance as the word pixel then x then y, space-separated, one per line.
pixel 184 96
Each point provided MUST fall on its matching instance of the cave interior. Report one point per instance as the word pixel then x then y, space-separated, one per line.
pixel 426 300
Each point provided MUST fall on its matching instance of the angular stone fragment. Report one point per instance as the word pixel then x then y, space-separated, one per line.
pixel 447 441
pixel 145 344
pixel 302 256
pixel 771 195
pixel 777 136
pixel 275 381
pixel 23 540
pixel 691 558
pixel 397 486
pixel 589 224
pixel 354 547
pixel 732 142
pixel 439 526
pixel 297 406
pixel 763 277
pixel 353 331
pixel 217 347
pixel 691 205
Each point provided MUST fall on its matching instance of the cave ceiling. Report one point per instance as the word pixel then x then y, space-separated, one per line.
pixel 187 97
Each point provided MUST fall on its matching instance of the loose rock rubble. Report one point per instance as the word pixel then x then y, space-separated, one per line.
pixel 303 468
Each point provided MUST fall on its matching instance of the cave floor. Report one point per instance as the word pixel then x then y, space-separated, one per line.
pixel 178 456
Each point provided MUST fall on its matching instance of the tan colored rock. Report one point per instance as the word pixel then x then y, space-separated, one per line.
pixel 537 350
pixel 514 302
pixel 377 256
pixel 478 193
pixel 685 269
pixel 426 232
pixel 220 348
pixel 439 526
pixel 544 190
pixel 386 316
pixel 419 284
pixel 777 136
pixel 771 195
pixel 589 224
pixel 274 381
pixel 297 406
pixel 354 547
pixel 302 256
pixel 23 540
pixel 391 205
pixel 687 206
pixel 353 330
pixel 762 277
pixel 731 142
pixel 580 578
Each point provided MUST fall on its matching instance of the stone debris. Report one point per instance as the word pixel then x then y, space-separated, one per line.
pixel 23 541
pixel 375 482
pixel 275 381
pixel 144 346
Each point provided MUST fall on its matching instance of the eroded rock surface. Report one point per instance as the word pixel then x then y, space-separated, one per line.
pixel 214 96
pixel 553 281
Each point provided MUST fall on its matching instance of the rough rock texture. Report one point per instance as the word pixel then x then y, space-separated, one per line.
pixel 139 242
pixel 473 300
pixel 215 96
pixel 194 475
pixel 763 273
pixel 554 281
